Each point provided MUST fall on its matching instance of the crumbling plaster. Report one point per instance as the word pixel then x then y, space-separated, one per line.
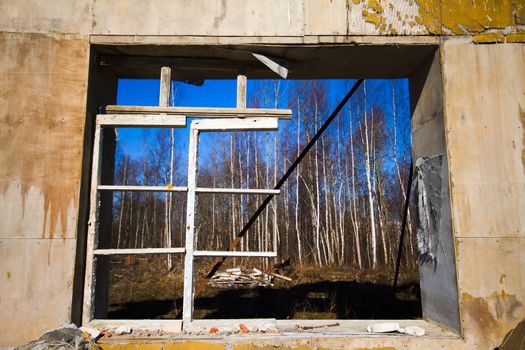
pixel 43 87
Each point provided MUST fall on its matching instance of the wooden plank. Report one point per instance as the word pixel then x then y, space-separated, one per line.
pixel 236 190
pixel 165 80
pixel 202 112
pixel 234 124
pixel 282 277
pixel 89 288
pixel 187 302
pixel 139 251
pixel 241 91
pixel 142 188
pixel 142 120
pixel 235 254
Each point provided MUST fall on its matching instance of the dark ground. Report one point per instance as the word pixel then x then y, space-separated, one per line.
pixel 143 291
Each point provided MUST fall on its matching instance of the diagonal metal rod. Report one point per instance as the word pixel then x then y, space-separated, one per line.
pixel 279 184
pixel 403 227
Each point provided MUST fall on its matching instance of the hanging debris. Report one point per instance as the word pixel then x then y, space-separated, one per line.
pixel 429 197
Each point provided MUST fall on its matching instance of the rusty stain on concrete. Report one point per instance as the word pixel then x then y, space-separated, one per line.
pixel 479 309
pixel 506 305
pixel 42 107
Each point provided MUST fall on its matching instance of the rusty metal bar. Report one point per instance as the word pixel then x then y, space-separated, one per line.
pixel 403 227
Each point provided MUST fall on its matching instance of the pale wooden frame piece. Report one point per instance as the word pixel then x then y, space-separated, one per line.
pixel 92 237
pixel 166 117
pixel 212 125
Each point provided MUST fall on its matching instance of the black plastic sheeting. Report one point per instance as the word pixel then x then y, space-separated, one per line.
pixel 428 189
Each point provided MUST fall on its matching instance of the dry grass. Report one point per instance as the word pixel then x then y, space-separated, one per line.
pixel 148 289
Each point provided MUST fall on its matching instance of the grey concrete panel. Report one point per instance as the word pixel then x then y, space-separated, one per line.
pixel 55 16
pixel 207 17
pixel 485 128
pixel 43 81
pixel 492 293
pixel 36 277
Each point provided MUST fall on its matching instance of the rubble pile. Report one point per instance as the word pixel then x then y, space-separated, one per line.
pixel 68 337
pixel 239 277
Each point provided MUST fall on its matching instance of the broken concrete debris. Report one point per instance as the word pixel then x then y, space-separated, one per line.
pixel 393 327
pixel 65 338
pixel 123 330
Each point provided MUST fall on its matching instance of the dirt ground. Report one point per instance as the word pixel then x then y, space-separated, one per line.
pixel 147 289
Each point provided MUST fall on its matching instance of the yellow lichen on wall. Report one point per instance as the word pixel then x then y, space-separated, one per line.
pixel 490 21
pixel 497 37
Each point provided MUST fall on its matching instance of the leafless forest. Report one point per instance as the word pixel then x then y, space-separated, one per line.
pixel 342 207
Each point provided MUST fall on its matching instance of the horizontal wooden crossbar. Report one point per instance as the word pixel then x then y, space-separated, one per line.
pixel 139 251
pixel 143 188
pixel 235 254
pixel 236 190
pixel 246 124
pixel 142 120
pixel 204 112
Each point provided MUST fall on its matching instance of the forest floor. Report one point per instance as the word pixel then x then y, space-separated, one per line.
pixel 147 289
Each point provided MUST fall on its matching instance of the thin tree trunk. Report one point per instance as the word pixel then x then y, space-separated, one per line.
pixel 369 187
pixel 297 172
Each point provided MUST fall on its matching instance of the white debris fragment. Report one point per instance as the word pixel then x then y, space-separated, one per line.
pixel 123 330
pixel 93 333
pixel 383 327
pixel 390 327
pixel 413 330
pixel 226 330
pixel 268 328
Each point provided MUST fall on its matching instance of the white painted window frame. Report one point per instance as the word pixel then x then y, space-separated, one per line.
pixel 239 118
pixel 266 123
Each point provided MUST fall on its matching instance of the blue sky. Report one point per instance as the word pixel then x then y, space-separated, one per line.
pixel 213 93
pixel 222 93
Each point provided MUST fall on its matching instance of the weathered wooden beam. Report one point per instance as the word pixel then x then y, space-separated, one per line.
pixel 142 188
pixel 241 91
pixel 142 120
pixel 202 112
pixel 236 190
pixel 89 287
pixel 235 254
pixel 165 81
pixel 236 124
pixel 187 301
pixel 139 251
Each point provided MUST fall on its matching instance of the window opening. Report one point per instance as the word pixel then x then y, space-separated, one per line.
pixel 255 119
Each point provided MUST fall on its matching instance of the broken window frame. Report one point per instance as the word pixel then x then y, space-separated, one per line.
pixel 219 120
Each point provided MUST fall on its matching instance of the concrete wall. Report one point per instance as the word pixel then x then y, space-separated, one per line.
pixel 484 89
pixel 43 88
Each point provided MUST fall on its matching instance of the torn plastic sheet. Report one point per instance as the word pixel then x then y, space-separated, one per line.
pixel 428 185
